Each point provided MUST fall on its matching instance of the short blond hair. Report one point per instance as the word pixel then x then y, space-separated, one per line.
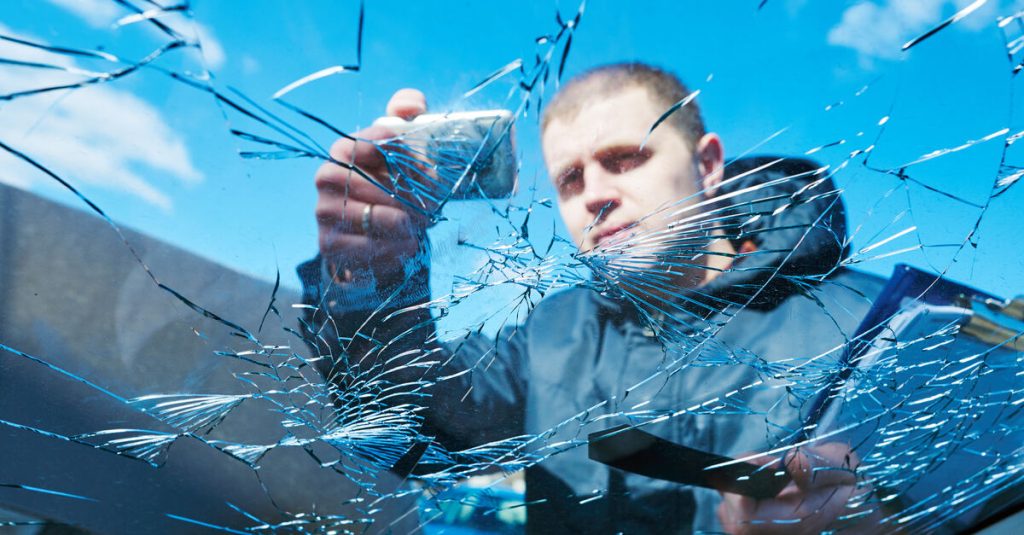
pixel 664 88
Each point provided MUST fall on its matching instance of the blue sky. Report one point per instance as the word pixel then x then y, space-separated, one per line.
pixel 158 156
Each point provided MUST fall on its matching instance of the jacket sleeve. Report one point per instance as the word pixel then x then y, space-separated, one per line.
pixel 480 393
pixel 468 392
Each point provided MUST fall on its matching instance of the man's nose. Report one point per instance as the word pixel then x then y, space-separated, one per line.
pixel 600 196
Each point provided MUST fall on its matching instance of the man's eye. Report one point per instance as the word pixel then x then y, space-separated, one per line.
pixel 570 182
pixel 625 160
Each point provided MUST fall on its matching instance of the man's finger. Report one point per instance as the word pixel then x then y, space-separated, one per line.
pixel 825 465
pixel 391 164
pixel 380 220
pixel 727 513
pixel 338 184
pixel 362 150
pixel 407 103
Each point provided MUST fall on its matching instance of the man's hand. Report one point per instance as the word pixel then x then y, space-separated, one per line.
pixel 823 480
pixel 367 236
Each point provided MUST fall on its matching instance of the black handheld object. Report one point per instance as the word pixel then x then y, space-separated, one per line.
pixel 630 449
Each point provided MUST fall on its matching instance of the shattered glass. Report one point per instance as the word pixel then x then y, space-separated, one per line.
pixel 163 370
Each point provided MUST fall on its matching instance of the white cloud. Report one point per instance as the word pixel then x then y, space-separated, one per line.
pixel 97 13
pixel 794 6
pixel 879 30
pixel 213 51
pixel 250 65
pixel 97 135
pixel 986 14
pixel 104 13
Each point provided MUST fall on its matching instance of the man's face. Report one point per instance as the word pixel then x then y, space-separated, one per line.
pixel 606 181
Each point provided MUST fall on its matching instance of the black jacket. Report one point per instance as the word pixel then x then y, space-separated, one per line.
pixel 583 362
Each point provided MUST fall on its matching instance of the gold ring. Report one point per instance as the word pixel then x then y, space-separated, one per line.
pixel 367 210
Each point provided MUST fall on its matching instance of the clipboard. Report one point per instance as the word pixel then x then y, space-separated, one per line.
pixel 906 283
pixel 927 394
pixel 981 317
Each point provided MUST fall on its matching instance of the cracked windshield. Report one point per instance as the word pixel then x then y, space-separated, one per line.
pixel 511 267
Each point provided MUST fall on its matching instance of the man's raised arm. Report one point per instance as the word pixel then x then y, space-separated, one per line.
pixel 368 291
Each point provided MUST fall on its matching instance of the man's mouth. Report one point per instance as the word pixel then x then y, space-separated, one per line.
pixel 611 233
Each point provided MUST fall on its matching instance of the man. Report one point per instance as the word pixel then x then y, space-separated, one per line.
pixel 582 362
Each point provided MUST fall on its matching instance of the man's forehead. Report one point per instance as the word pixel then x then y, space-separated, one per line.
pixel 621 118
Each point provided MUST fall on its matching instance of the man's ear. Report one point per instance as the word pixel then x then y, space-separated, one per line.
pixel 710 158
